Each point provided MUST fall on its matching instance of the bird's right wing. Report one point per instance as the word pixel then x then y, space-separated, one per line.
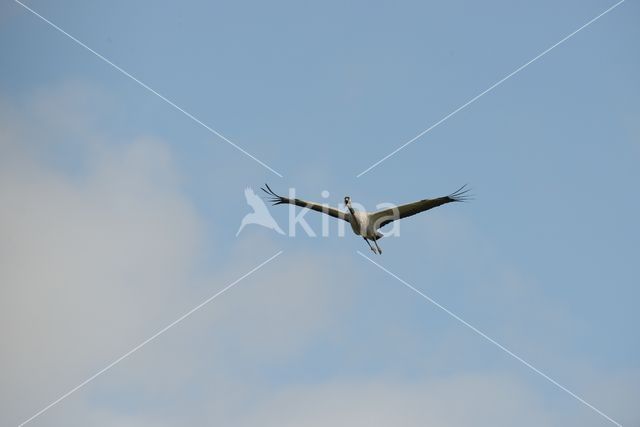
pixel 278 200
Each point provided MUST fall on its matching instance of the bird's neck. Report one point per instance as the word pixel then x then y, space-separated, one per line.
pixel 354 217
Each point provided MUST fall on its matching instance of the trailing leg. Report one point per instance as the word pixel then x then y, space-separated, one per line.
pixel 370 247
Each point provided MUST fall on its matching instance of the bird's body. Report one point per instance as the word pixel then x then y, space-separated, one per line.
pixel 362 224
pixel 366 224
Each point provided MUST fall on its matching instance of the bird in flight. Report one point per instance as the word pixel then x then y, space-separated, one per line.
pixel 366 224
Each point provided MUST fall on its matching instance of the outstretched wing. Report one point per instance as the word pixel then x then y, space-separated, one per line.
pixel 278 200
pixel 385 216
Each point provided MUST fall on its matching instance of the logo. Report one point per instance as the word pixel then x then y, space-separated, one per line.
pixel 260 214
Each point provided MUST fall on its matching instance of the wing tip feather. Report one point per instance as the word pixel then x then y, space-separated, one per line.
pixel 462 194
pixel 272 197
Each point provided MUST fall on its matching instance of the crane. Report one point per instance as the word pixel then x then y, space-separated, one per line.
pixel 367 224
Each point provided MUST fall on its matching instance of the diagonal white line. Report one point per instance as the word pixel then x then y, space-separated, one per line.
pixel 168 101
pixel 148 340
pixel 489 89
pixel 491 340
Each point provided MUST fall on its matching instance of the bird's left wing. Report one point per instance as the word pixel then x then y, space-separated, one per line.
pixel 278 200
pixel 385 216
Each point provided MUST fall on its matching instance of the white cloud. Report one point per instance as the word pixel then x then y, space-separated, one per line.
pixel 88 262
pixel 96 261
pixel 457 401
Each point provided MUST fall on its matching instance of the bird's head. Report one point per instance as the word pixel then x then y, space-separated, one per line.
pixel 347 201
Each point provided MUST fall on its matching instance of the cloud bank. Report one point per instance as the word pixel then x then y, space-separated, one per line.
pixel 101 247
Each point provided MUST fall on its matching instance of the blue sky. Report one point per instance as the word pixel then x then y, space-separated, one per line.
pixel 119 213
